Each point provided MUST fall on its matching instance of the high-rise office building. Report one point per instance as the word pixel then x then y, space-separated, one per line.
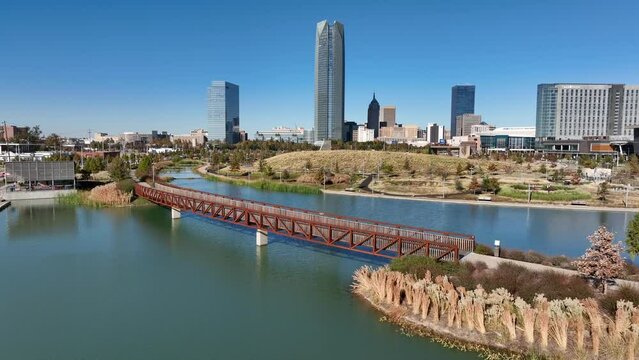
pixel 464 123
pixel 329 81
pixel 387 116
pixel 462 102
pixel 574 111
pixel 224 112
pixel 373 116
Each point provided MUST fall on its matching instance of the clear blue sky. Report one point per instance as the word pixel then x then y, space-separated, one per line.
pixel 139 65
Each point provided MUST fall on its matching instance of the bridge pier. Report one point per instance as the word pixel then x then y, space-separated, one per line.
pixel 261 237
pixel 175 214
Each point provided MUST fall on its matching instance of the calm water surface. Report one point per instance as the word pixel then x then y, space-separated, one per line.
pixel 81 283
pixel 551 231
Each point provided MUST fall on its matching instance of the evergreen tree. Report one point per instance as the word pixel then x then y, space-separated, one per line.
pixel 632 236
pixel 118 169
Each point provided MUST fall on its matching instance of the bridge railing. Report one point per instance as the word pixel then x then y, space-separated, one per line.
pixel 462 241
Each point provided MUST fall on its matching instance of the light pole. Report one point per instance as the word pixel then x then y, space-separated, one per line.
pixel 153 172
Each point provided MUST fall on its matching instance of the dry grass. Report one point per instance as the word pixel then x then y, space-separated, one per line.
pixel 109 194
pixel 351 161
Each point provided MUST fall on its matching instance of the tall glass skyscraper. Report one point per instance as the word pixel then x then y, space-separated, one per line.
pixel 462 102
pixel 224 112
pixel 329 81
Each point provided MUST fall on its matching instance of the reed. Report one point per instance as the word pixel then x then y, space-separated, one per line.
pixel 528 315
pixel 489 314
pixel 596 322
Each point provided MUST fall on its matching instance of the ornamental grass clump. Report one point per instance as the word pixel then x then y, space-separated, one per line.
pixel 577 328
pixel 109 194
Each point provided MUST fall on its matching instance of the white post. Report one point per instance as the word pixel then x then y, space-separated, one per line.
pixel 261 237
pixel 175 214
pixel 497 248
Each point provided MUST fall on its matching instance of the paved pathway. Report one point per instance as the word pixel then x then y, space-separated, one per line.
pixel 493 262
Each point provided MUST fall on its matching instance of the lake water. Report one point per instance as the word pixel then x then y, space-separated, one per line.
pixel 130 283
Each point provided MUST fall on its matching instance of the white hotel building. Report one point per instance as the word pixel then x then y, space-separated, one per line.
pixel 575 111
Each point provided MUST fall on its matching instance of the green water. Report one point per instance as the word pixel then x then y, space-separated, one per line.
pixel 82 283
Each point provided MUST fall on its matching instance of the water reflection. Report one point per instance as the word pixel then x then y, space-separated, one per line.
pixel 553 231
pixel 39 218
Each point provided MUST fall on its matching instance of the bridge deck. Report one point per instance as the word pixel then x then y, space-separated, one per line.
pixel 360 235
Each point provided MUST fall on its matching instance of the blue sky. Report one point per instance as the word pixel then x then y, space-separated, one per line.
pixel 139 65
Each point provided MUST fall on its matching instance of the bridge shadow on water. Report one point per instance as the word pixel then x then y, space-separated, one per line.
pixel 275 238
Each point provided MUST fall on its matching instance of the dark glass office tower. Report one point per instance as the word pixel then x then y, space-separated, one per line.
pixel 462 102
pixel 373 116
pixel 329 81
pixel 224 112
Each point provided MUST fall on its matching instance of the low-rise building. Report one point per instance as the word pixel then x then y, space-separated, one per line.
pixel 197 137
pixel 435 134
pixel 508 139
pixel 362 134
pixel 10 132
pixel 281 133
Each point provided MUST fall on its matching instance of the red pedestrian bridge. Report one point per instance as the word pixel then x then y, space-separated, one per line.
pixel 343 232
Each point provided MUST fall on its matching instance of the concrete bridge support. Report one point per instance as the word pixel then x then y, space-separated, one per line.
pixel 175 214
pixel 261 237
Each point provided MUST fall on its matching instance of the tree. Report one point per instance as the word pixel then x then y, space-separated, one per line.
pixel 460 169
pixel 387 168
pixel 118 169
pixel 458 185
pixel 492 167
pixel 632 237
pixel 144 167
pixel 53 141
pixel 235 161
pixel 474 185
pixel 543 169
pixel 633 164
pixel 93 165
pixel 490 184
pixel 602 261
pixel 602 191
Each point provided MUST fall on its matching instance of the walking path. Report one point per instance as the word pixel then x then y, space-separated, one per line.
pixel 493 263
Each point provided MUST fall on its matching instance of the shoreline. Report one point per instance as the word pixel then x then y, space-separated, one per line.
pixel 485 203
pixel 201 170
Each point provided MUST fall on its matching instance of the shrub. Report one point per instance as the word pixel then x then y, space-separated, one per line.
pixel 513 255
pixel 624 292
pixel 418 265
pixel 526 284
pixel 489 184
pixel 483 249
pixel 534 257
pixel 126 185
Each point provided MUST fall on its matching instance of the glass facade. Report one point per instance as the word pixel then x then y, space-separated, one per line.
pixel 224 112
pixel 507 143
pixel 329 81
pixel 462 102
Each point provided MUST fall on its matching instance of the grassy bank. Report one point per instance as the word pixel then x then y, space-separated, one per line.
pixel 267 185
pixel 555 195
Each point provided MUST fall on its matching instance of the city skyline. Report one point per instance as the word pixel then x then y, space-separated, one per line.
pixel 108 72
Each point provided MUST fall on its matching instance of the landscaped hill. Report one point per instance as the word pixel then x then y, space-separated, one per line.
pixel 351 161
